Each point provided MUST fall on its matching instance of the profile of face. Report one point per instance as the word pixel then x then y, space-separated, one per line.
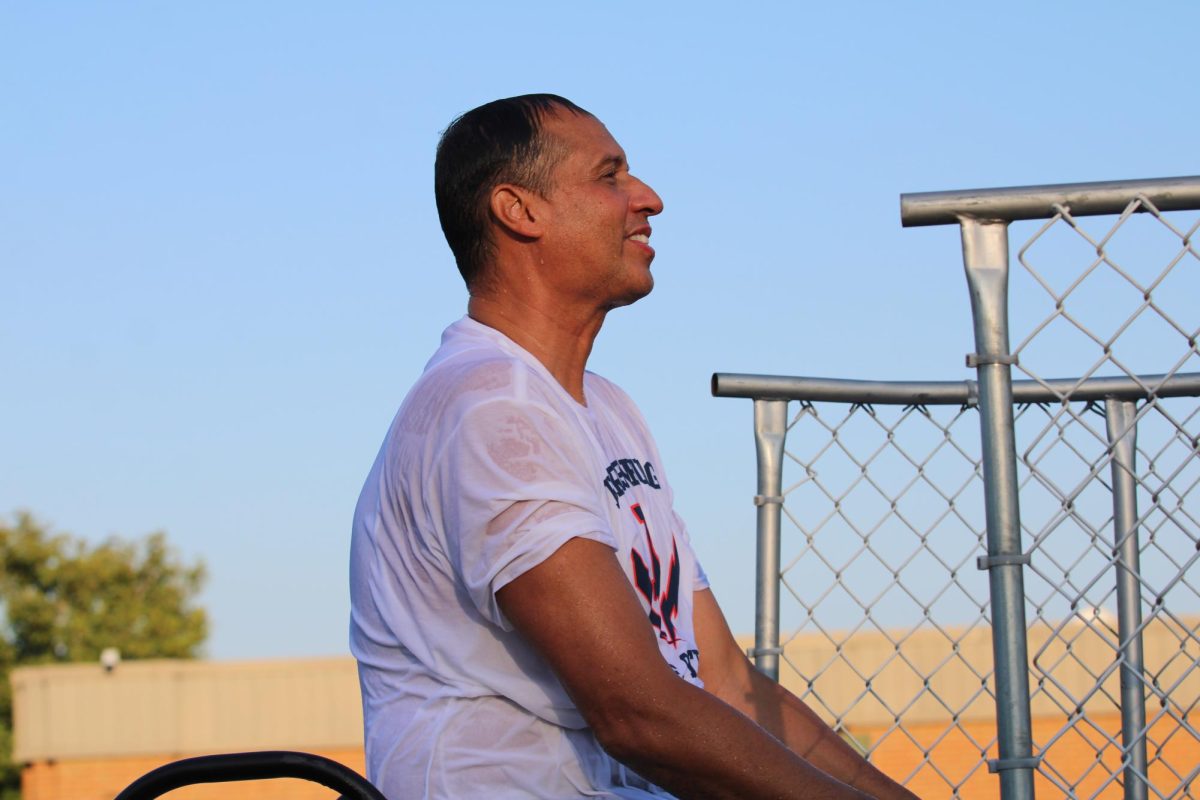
pixel 596 238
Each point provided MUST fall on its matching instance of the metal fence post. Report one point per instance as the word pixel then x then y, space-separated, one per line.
pixel 985 256
pixel 770 431
pixel 1121 418
pixel 856 687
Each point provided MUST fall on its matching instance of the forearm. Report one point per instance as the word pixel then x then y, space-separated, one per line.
pixel 804 733
pixel 731 677
pixel 696 746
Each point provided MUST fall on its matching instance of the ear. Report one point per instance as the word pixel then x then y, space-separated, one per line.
pixel 516 209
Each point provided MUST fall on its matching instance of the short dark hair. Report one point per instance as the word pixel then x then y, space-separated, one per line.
pixel 500 142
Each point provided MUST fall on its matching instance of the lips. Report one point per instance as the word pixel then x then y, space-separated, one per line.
pixel 641 238
pixel 641 235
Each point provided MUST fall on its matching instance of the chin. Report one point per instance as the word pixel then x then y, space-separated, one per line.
pixel 634 295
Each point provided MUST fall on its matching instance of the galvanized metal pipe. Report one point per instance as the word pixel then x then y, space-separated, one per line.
pixel 770 433
pixel 1121 418
pixel 985 257
pixel 933 393
pixel 1038 202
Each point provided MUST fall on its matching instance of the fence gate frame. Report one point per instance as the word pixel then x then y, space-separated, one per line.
pixel 983 217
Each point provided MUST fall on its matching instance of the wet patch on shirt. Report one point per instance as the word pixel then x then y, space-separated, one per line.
pixel 420 414
pixel 487 377
pixel 517 449
pixel 426 406
pixel 526 513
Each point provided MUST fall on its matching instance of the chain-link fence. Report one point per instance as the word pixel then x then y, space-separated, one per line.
pixel 994 576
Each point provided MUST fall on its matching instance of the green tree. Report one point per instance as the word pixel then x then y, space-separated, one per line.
pixel 65 600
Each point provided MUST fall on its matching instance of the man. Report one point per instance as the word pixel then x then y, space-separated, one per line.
pixel 528 614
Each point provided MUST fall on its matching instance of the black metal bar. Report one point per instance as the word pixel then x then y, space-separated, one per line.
pixel 255 766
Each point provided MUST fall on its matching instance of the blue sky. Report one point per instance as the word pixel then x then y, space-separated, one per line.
pixel 222 266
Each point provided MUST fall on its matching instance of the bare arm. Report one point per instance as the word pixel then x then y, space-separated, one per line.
pixel 728 674
pixel 579 611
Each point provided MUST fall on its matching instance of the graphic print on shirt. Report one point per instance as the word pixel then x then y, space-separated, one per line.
pixel 647 577
pixel 625 473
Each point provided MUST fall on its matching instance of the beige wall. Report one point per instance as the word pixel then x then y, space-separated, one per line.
pixel 84 734
pixel 955 660
pixel 934 753
pixel 153 707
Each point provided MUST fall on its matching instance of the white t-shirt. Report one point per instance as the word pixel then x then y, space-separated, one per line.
pixel 489 467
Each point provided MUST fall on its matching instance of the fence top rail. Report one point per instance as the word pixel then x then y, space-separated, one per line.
pixel 934 393
pixel 1038 202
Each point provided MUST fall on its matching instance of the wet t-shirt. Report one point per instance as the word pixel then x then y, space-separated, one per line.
pixel 489 467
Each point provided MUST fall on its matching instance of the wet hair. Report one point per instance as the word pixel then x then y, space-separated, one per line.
pixel 500 142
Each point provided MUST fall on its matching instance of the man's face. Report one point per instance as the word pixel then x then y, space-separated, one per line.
pixel 597 230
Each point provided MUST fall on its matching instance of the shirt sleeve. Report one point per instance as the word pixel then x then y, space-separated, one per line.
pixel 515 487
pixel 699 575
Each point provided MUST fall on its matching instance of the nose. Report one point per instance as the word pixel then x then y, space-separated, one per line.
pixel 644 199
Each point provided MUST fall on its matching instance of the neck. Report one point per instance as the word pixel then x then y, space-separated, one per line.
pixel 561 343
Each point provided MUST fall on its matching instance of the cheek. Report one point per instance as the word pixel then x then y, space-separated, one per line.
pixel 595 228
pixel 598 231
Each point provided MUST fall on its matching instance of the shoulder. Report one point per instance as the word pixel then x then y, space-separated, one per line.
pixel 605 391
pixel 485 397
pixel 472 385
pixel 475 374
pixel 473 365
pixel 475 361
pixel 610 399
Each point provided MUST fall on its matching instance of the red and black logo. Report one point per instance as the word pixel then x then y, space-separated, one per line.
pixel 647 577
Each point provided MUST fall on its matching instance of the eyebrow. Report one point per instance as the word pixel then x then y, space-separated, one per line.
pixel 610 161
